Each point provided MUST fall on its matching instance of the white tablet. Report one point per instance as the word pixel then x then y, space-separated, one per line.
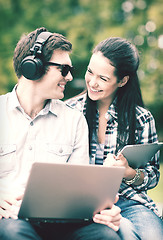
pixel 138 155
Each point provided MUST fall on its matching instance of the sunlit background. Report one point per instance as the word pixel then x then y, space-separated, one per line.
pixel 85 23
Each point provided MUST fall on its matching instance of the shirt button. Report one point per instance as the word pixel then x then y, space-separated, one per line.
pixel 30 147
pixel 107 116
pixel 31 123
pixel 60 150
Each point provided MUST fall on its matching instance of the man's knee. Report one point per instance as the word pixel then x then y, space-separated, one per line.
pixel 95 232
pixel 8 228
pixel 11 229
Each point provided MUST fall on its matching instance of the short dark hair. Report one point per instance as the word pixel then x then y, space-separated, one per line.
pixel 26 42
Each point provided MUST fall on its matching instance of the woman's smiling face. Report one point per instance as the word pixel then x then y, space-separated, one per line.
pixel 101 82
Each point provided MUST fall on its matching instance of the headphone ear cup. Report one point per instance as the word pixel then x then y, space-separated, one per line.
pixel 32 68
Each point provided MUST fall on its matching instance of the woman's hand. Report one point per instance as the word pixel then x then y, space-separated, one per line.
pixel 120 160
pixel 110 217
pixel 9 206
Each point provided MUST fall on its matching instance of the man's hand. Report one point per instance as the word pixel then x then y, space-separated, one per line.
pixel 110 217
pixel 9 206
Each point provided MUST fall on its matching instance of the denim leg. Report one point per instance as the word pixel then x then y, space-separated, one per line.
pixel 127 230
pixel 11 229
pixel 94 231
pixel 147 224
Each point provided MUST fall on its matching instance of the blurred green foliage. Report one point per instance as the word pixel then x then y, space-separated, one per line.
pixel 85 23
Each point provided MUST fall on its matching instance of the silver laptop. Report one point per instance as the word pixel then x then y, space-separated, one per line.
pixel 68 192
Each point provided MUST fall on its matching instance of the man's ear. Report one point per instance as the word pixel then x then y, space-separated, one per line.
pixel 123 81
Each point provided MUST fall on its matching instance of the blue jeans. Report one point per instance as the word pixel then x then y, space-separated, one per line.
pixel 147 224
pixel 11 229
pixel 127 230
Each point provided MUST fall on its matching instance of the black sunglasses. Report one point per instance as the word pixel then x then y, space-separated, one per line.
pixel 65 68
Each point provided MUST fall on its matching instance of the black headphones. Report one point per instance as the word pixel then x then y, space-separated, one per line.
pixel 32 67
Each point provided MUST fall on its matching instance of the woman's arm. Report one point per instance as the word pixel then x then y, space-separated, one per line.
pixel 148 177
pixel 147 134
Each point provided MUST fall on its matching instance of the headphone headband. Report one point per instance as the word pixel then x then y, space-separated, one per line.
pixel 40 42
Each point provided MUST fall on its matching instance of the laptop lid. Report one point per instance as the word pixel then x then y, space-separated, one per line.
pixel 57 192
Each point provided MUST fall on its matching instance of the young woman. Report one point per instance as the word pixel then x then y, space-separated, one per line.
pixel 116 116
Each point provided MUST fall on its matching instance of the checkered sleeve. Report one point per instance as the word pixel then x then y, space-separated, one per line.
pixel 147 134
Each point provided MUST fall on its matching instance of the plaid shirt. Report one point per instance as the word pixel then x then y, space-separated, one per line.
pixel 145 133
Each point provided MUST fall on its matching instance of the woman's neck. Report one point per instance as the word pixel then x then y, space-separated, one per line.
pixel 103 107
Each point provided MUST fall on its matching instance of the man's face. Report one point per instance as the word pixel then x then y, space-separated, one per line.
pixel 52 84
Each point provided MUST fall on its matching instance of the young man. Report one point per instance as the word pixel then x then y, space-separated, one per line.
pixel 36 126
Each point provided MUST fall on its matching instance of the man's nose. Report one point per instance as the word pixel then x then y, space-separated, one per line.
pixel 69 77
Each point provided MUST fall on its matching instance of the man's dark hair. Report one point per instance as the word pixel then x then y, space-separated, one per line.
pixel 26 42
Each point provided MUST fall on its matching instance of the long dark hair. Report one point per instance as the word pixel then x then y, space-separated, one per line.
pixel 125 58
